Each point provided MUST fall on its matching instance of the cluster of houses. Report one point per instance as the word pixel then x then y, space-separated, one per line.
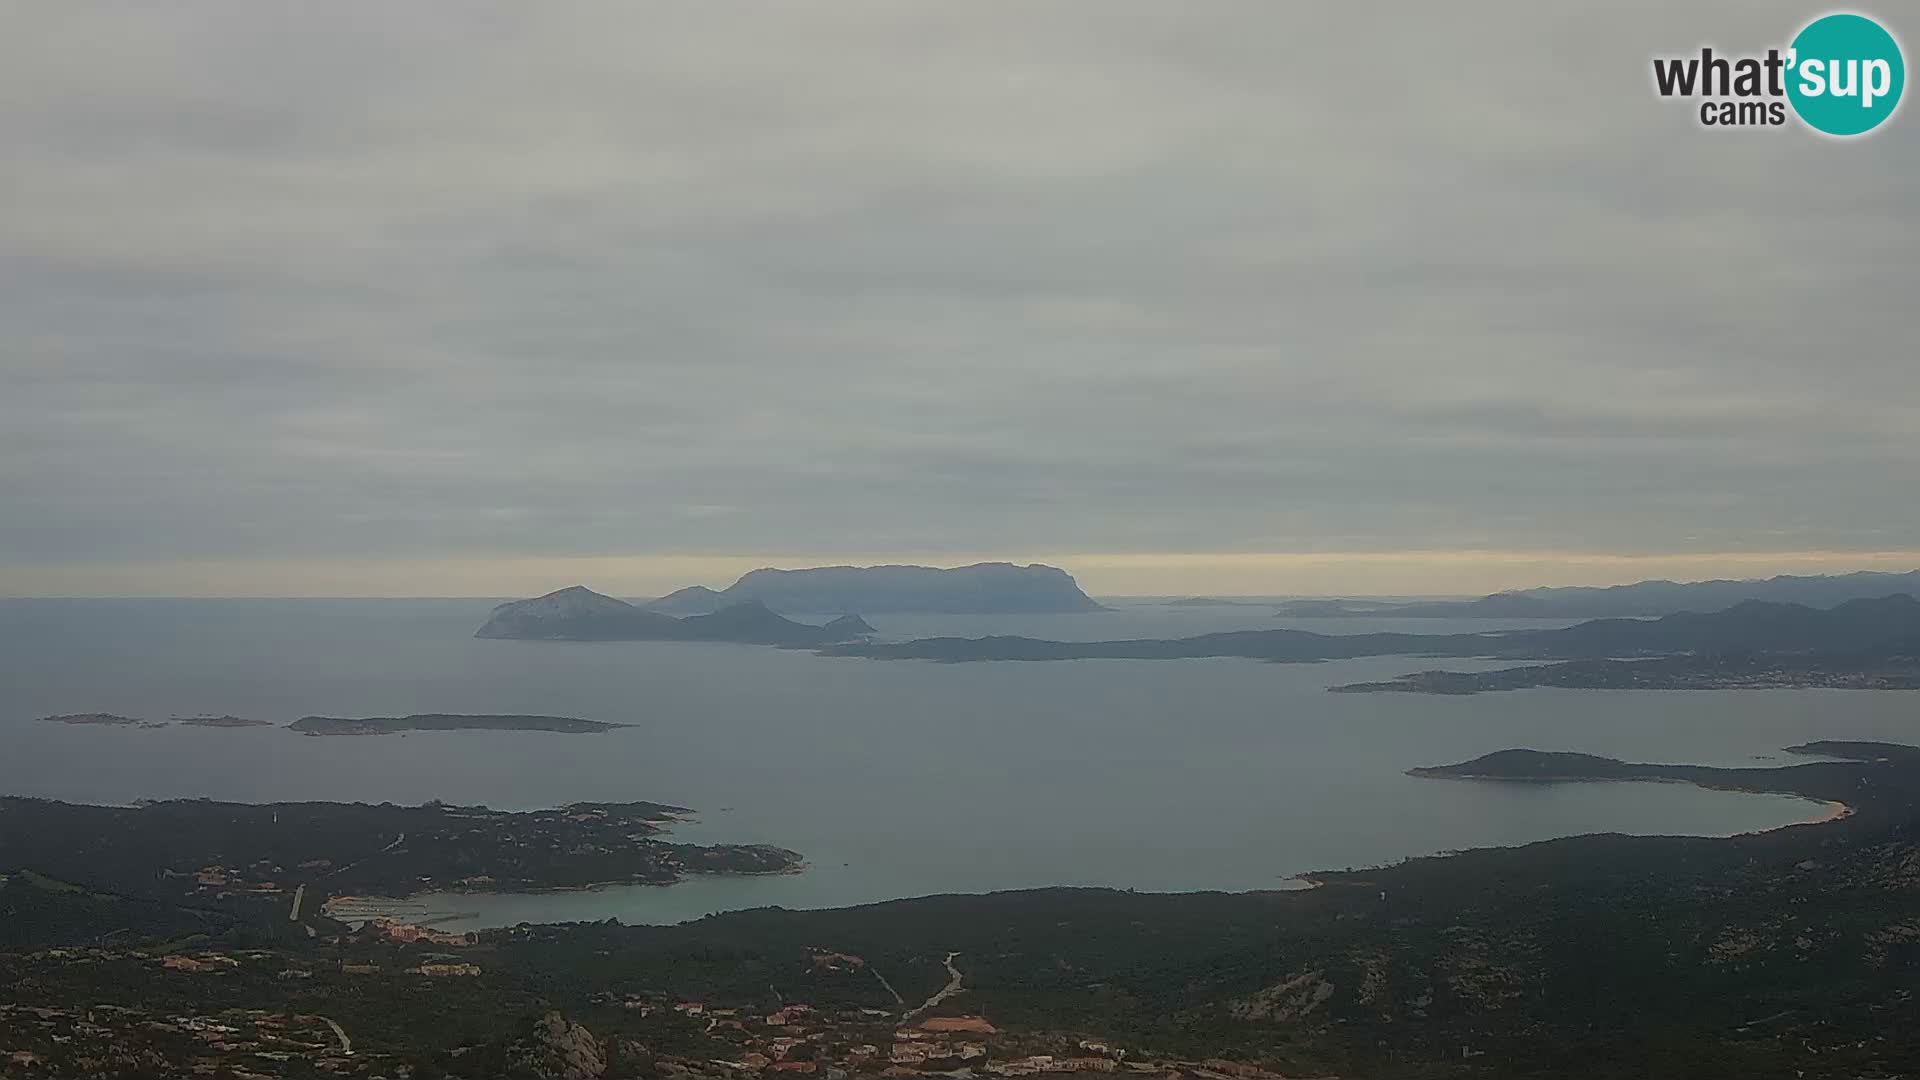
pixel 239 1043
pixel 411 934
pixel 227 880
pixel 446 970
pixel 213 963
pixel 837 1044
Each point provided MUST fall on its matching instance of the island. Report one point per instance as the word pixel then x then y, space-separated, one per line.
pixel 979 589
pixel 577 613
pixel 1215 602
pixel 1332 608
pixel 1641 599
pixel 220 721
pixel 392 725
pixel 93 718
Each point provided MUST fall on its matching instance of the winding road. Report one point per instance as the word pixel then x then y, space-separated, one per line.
pixel 947 991
pixel 346 1044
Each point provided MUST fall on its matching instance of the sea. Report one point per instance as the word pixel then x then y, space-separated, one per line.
pixel 892 778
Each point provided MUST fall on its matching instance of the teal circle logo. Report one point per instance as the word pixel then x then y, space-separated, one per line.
pixel 1845 75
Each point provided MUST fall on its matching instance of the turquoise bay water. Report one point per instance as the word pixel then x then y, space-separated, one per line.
pixel 894 779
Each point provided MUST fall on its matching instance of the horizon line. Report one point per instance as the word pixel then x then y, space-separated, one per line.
pixel 1437 573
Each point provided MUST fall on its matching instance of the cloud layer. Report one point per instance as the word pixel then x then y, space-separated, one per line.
pixel 395 283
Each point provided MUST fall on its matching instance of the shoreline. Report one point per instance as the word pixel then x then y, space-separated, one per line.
pixel 1834 809
pixel 327 906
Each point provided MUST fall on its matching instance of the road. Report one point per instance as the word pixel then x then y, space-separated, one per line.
pixel 898 1000
pixel 346 1044
pixel 947 991
pixel 397 841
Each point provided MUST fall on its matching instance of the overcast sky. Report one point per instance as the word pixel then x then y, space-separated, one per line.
pixel 1262 297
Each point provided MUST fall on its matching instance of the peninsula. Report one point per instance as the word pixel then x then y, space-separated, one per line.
pixel 1823 780
pixel 391 725
pixel 577 613
pixel 172 942
pixel 1868 629
pixel 1762 671
pixel 1639 600
pixel 197 851
pixel 1849 781
pixel 983 588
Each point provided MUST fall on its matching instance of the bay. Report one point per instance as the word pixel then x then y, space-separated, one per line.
pixel 892 778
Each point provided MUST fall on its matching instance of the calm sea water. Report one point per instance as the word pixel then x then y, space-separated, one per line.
pixel 894 779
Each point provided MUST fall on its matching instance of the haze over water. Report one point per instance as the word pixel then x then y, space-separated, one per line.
pixel 893 779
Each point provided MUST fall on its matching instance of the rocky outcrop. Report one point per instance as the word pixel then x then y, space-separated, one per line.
pixel 557 1049
pixel 1288 1000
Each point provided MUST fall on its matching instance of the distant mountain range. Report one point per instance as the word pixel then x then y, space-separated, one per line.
pixel 983 588
pixel 578 613
pixel 1639 600
pixel 1884 626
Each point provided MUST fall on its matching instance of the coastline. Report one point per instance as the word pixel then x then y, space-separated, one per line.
pixel 1836 810
pixel 1833 809
pixel 333 903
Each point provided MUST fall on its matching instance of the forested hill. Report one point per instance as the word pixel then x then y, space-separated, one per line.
pixel 1640 599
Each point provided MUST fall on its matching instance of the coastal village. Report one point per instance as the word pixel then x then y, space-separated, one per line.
pixel 113 1040
pixel 795 1039
pixel 1436 967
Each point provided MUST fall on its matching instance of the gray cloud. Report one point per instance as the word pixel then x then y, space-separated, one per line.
pixel 371 282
